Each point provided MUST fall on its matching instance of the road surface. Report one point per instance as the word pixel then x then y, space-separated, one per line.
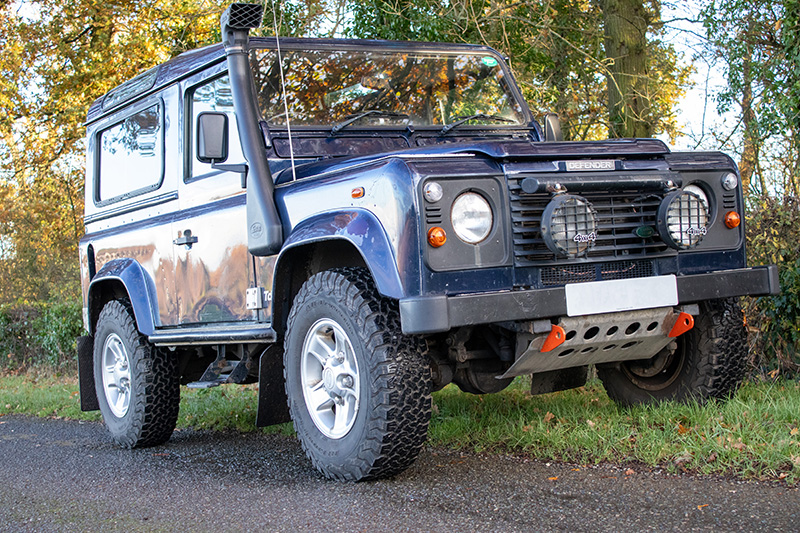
pixel 58 475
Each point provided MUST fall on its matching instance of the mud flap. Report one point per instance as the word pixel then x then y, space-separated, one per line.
pixel 558 380
pixel 86 374
pixel 272 405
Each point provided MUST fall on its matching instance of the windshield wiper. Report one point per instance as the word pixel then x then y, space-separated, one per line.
pixel 462 120
pixel 358 116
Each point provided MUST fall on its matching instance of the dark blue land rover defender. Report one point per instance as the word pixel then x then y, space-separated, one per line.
pixel 354 224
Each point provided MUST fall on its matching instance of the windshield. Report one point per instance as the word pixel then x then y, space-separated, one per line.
pixel 326 87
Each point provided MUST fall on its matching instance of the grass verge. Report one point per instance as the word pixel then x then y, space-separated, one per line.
pixel 754 435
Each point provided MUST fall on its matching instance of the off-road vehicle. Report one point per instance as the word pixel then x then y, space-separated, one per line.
pixel 355 224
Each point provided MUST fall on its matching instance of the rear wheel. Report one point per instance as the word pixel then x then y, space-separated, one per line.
pixel 359 390
pixel 136 383
pixel 709 362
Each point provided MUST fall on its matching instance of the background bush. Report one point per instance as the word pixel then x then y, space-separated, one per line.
pixel 773 237
pixel 39 335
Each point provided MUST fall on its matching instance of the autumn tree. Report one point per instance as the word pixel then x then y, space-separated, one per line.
pixel 559 52
pixel 58 56
pixel 758 41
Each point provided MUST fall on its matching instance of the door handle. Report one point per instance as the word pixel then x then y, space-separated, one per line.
pixel 188 239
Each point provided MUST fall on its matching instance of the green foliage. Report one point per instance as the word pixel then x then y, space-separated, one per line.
pixel 756 434
pixel 758 42
pixel 773 237
pixel 40 335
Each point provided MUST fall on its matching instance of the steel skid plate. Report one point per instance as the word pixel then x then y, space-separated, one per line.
pixel 596 339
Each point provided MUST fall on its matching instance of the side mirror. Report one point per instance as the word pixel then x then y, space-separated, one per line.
pixel 552 128
pixel 212 137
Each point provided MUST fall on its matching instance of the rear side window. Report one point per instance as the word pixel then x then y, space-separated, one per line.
pixel 132 156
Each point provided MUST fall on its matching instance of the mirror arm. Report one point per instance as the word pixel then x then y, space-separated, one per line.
pixel 241 168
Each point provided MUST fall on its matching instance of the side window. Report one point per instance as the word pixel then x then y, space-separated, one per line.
pixel 214 95
pixel 131 156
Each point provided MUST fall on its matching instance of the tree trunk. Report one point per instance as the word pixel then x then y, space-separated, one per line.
pixel 626 23
pixel 747 164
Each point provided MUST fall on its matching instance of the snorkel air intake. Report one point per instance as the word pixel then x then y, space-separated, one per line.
pixel 264 230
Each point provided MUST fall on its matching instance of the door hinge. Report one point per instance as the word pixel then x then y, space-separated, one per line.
pixel 257 298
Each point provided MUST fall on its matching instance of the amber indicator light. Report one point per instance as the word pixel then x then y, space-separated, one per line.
pixel 358 192
pixel 436 236
pixel 732 219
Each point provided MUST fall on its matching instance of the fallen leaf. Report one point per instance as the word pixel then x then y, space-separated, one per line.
pixel 794 431
pixel 682 430
pixel 527 428
pixel 549 416
pixel 774 373
pixel 740 446
pixel 590 423
pixel 630 472
pixel 713 457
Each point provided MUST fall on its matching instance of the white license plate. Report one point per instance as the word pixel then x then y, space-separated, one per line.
pixel 598 297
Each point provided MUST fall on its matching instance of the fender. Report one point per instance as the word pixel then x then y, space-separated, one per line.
pixel 363 230
pixel 139 286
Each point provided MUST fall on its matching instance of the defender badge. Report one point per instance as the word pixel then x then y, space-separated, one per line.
pixel 591 166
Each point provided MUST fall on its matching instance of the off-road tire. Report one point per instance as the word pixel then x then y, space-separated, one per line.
pixel 154 388
pixel 709 362
pixel 390 424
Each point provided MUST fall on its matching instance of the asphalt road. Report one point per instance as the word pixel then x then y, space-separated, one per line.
pixel 58 475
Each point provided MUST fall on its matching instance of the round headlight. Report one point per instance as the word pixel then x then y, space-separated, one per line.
pixel 569 226
pixel 682 219
pixel 471 216
pixel 696 189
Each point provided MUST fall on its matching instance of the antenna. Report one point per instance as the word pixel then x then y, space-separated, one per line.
pixel 283 87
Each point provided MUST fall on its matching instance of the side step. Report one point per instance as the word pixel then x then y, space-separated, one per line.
pixel 227 333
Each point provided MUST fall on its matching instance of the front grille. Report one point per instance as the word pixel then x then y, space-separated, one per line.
pixel 626 226
pixel 582 272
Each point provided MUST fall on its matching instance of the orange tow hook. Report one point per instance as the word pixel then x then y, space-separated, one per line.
pixel 555 339
pixel 684 323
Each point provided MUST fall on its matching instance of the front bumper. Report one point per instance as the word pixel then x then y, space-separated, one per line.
pixel 433 314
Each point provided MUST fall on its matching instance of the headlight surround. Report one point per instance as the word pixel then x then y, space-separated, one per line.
pixel 683 219
pixel 472 217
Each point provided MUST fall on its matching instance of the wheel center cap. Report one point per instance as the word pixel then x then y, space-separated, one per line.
pixel 328 378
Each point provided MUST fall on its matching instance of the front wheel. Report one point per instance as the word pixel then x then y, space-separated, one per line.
pixel 709 362
pixel 136 383
pixel 359 390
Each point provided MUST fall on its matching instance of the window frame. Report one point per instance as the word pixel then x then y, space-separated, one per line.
pixel 123 116
pixel 190 133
